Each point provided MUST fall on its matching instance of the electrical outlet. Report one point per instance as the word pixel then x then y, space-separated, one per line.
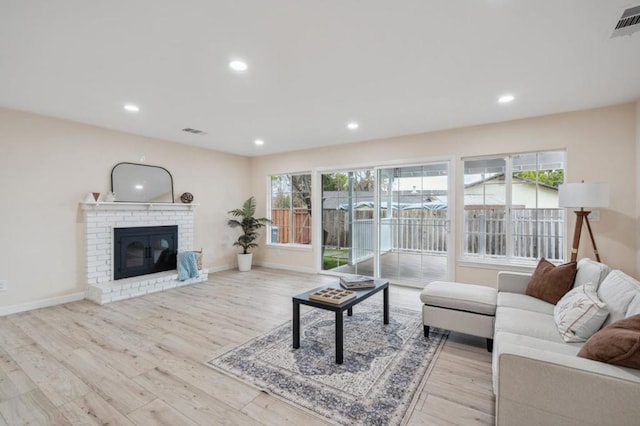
pixel 3 285
pixel 594 216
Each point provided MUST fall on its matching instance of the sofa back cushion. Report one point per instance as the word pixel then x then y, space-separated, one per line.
pixel 590 271
pixel 617 291
pixel 634 306
pixel 618 344
pixel 550 282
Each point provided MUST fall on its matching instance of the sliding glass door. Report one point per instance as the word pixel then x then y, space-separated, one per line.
pixel 390 222
pixel 348 221
pixel 413 243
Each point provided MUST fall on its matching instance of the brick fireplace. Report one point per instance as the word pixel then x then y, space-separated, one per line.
pixel 100 220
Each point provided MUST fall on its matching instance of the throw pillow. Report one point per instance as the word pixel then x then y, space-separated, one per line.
pixel 590 270
pixel 550 282
pixel 634 306
pixel 618 343
pixel 617 290
pixel 580 313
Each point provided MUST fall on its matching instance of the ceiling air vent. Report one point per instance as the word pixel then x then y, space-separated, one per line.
pixel 194 131
pixel 628 23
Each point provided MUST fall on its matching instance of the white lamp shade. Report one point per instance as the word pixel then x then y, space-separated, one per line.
pixel 579 195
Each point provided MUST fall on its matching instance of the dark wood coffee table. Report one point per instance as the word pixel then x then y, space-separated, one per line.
pixel 303 299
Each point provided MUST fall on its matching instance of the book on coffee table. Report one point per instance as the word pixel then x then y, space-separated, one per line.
pixel 357 282
pixel 334 296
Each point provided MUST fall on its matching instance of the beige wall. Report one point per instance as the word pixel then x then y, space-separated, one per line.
pixel 48 165
pixel 637 181
pixel 600 144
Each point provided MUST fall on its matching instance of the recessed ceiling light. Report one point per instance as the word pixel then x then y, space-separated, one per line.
pixel 505 99
pixel 353 125
pixel 259 142
pixel 139 187
pixel 238 65
pixel 132 108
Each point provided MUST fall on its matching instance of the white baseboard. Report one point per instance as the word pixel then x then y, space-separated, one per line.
pixel 44 303
pixel 221 268
pixel 302 269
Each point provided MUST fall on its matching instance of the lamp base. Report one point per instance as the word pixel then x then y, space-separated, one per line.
pixel 582 216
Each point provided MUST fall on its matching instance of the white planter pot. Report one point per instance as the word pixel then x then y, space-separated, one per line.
pixel 244 262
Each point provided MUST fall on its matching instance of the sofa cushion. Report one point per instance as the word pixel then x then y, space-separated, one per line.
pixel 590 271
pixel 465 297
pixel 634 306
pixel 550 282
pixel 527 341
pixel 527 323
pixel 522 301
pixel 618 343
pixel 579 314
pixel 617 291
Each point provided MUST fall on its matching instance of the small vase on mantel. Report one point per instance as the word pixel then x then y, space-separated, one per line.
pixel 89 198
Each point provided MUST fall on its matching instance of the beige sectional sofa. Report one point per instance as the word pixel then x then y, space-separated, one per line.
pixel 538 379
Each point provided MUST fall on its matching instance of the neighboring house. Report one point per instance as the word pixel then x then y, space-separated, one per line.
pixel 525 193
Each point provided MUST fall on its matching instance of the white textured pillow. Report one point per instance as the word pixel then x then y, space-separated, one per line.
pixel 590 270
pixel 634 307
pixel 617 290
pixel 579 314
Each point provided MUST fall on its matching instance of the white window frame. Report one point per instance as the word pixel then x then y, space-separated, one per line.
pixel 509 258
pixel 270 242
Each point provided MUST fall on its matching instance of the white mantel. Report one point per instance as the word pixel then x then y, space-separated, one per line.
pixel 102 217
pixel 126 206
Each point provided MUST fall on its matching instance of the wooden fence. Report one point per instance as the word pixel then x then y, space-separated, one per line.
pixel 281 218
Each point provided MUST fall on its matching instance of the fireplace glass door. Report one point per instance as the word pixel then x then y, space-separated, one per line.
pixel 144 250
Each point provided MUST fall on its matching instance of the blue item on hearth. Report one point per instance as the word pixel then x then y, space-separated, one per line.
pixel 187 265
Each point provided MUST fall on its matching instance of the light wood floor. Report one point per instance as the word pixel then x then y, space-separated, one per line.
pixel 140 361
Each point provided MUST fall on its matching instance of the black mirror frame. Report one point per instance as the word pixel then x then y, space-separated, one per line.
pixel 144 165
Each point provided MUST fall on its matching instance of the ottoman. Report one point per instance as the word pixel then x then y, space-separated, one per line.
pixel 465 308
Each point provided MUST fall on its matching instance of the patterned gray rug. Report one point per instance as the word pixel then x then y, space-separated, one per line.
pixel 383 370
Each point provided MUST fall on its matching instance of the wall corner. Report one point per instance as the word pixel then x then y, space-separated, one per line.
pixel 637 192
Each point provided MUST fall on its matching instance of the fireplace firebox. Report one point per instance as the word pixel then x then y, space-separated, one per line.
pixel 144 250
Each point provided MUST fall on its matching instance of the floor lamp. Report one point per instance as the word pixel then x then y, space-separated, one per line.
pixel 581 195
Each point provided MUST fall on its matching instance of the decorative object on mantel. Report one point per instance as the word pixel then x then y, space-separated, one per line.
pixel 96 196
pixel 378 383
pixel 581 195
pixel 89 198
pixel 250 226
pixel 186 198
pixel 110 197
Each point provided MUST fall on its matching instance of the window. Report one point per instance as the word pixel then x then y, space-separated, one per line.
pixel 511 207
pixel 290 200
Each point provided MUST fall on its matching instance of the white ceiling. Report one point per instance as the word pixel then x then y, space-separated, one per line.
pixel 396 67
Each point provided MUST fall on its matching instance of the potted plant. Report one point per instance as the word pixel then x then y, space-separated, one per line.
pixel 250 226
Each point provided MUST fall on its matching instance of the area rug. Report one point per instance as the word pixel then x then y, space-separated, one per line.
pixel 383 371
